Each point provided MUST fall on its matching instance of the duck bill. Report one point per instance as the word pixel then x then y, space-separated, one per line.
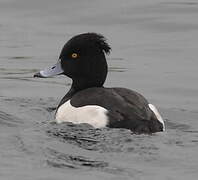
pixel 54 70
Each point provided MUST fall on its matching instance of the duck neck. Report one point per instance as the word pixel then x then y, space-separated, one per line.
pixel 78 85
pixel 67 97
pixel 84 83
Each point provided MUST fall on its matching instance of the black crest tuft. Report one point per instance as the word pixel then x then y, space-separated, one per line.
pixel 101 41
pixel 94 38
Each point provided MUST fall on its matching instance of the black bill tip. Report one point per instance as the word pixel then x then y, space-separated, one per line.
pixel 38 75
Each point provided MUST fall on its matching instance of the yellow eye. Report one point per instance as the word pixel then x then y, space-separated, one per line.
pixel 74 55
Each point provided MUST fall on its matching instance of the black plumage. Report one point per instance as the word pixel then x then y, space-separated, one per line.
pixel 88 70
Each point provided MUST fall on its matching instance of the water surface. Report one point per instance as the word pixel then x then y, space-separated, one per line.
pixel 154 51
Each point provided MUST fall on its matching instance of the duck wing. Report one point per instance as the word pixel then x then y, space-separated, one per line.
pixel 126 108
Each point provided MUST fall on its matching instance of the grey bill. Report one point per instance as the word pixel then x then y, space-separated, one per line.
pixel 56 69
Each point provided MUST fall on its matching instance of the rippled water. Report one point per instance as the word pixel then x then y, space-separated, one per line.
pixel 154 46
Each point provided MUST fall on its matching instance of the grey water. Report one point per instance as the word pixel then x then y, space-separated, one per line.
pixel 154 51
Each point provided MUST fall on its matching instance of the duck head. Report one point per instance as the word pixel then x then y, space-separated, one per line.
pixel 83 60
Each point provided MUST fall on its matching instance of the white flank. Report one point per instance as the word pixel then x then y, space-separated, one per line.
pixel 157 114
pixel 90 114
